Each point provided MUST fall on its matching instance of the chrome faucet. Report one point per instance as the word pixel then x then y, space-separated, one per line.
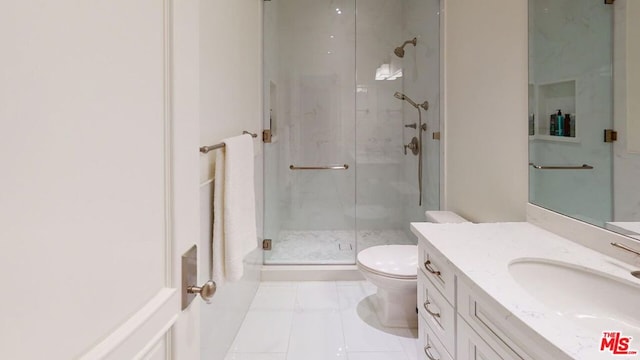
pixel 626 248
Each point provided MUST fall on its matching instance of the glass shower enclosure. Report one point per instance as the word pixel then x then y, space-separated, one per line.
pixel 340 174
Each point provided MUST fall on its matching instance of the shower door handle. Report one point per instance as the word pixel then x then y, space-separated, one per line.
pixel 326 167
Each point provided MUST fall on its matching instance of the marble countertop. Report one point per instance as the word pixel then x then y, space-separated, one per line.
pixel 481 253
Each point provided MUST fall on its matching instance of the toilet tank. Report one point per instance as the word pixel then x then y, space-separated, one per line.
pixel 444 217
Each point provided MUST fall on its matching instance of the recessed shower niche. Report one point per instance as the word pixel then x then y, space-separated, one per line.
pixel 550 98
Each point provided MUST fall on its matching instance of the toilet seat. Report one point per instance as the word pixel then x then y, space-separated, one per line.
pixel 391 261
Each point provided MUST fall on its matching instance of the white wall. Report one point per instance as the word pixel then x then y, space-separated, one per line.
pixel 485 108
pixel 230 102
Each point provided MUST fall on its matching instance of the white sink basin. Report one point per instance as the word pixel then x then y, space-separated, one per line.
pixel 592 300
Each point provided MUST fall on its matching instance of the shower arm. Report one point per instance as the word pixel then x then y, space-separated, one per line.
pixel 412 41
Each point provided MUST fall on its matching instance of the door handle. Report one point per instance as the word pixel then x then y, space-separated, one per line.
pixel 206 291
pixel 190 276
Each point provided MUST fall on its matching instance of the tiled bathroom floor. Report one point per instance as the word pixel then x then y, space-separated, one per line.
pixel 318 321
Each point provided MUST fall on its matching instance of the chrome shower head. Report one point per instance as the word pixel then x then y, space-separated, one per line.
pixel 399 51
pixel 401 96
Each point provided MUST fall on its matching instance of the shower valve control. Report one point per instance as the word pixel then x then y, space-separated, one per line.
pixel 413 145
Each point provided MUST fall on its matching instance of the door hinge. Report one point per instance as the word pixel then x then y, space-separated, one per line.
pixel 266 136
pixel 266 244
pixel 436 135
pixel 610 135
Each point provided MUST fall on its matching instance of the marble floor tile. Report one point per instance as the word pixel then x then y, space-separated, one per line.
pixel 317 295
pixel 256 356
pixel 264 331
pixel 316 335
pixel 377 356
pixel 274 298
pixel 319 320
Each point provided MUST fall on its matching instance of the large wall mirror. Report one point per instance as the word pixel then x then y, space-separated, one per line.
pixel 584 110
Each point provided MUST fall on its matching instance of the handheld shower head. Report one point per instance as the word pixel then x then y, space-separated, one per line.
pixel 401 96
pixel 399 51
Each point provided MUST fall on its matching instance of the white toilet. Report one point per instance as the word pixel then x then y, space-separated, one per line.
pixel 393 269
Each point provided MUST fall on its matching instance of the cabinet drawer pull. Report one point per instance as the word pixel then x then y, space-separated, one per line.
pixel 428 353
pixel 427 265
pixel 426 307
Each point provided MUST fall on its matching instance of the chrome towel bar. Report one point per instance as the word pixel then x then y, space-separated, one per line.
pixel 581 167
pixel 327 167
pixel 206 149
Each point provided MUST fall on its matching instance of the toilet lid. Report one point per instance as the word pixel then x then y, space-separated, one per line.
pixel 400 261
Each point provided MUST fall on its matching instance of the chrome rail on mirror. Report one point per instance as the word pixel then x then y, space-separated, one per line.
pixel 326 167
pixel 543 167
pixel 626 248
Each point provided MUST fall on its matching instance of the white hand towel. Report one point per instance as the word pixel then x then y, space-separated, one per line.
pixel 234 224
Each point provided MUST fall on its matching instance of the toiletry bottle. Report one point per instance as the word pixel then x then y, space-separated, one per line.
pixel 572 126
pixel 553 124
pixel 560 126
pixel 567 125
pixel 532 122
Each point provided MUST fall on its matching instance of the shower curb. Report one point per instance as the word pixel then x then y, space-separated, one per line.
pixel 310 273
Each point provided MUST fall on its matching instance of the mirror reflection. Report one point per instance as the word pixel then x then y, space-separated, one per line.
pixel 584 127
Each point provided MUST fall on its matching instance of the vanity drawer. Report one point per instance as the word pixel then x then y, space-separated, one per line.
pixel 489 322
pixel 438 314
pixel 433 265
pixel 472 347
pixel 430 347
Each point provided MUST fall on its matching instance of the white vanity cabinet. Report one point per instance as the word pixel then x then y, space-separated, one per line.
pixel 454 322
pixel 432 347
pixel 471 345
pixel 476 302
pixel 477 315
pixel 436 300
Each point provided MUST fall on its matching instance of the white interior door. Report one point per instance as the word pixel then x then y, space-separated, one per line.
pixel 98 150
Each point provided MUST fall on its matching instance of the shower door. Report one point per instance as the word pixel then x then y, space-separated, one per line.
pixel 330 103
pixel 309 169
